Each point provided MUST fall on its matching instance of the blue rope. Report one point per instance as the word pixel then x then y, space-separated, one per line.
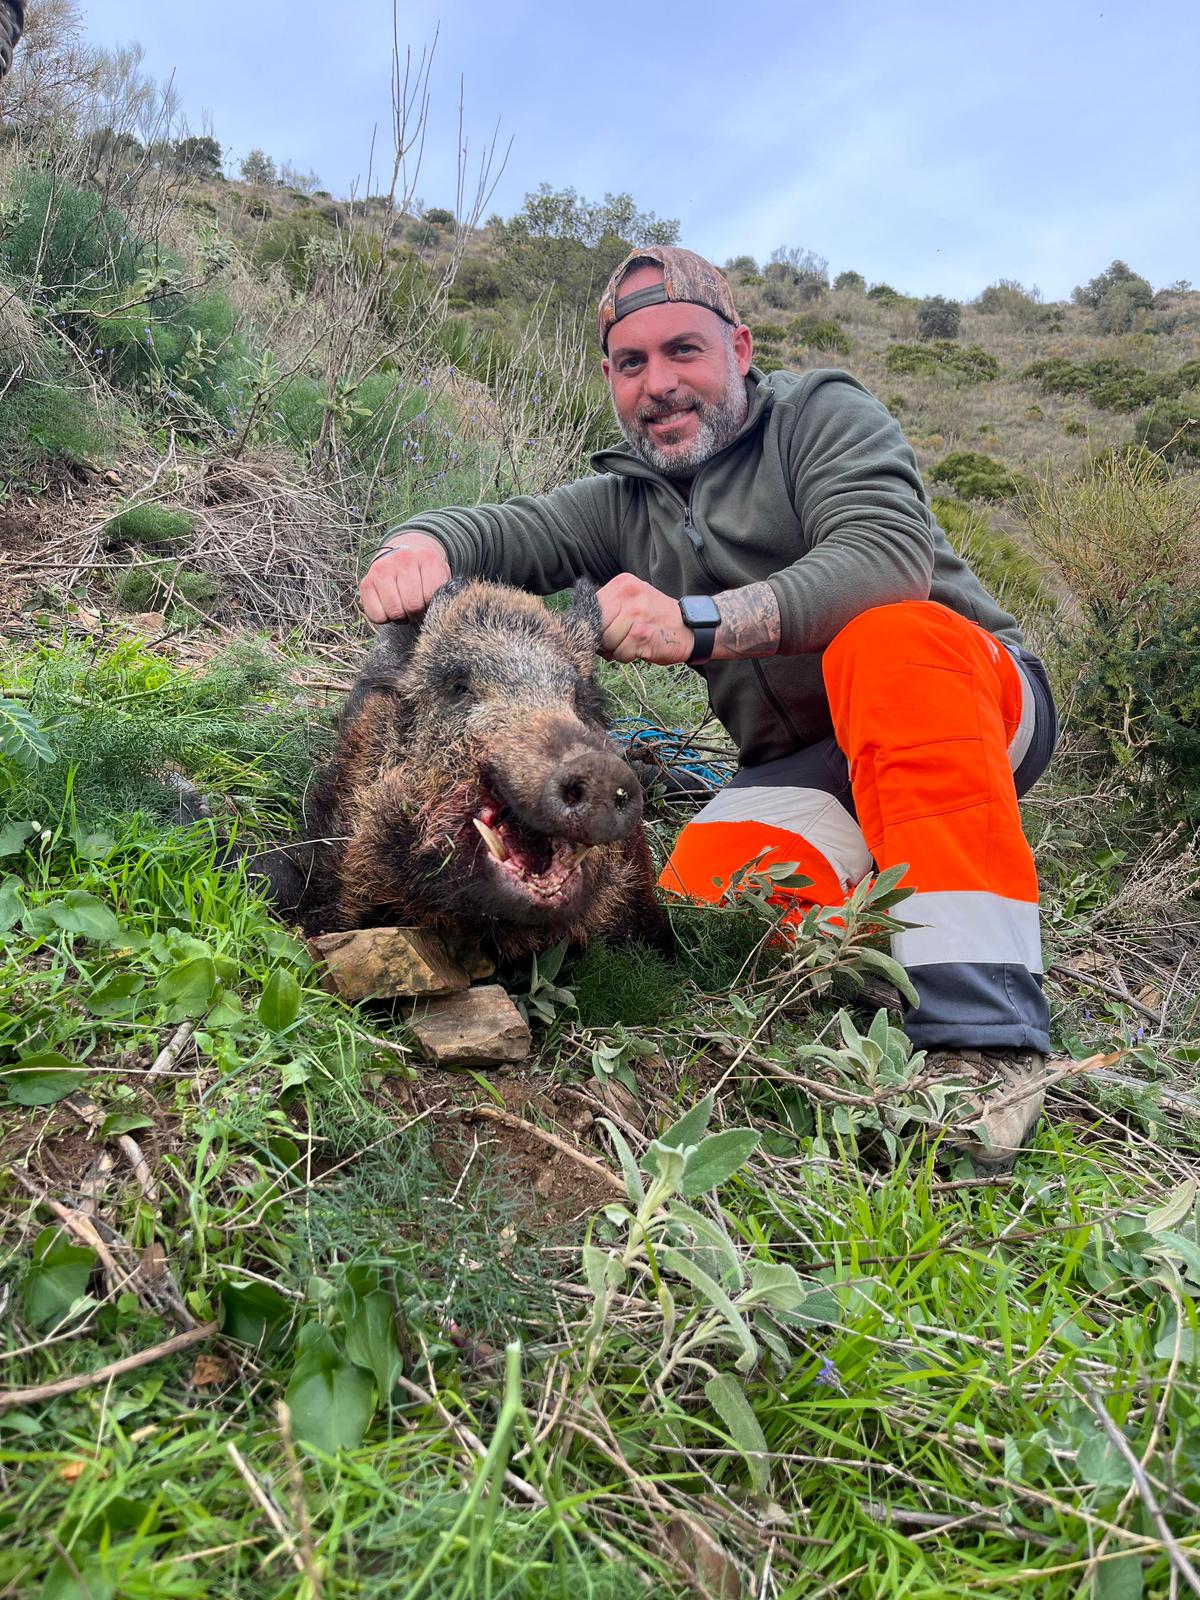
pixel 667 744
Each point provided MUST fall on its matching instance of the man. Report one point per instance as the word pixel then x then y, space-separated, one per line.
pixel 774 533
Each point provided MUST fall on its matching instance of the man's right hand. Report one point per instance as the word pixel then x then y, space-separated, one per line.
pixel 403 579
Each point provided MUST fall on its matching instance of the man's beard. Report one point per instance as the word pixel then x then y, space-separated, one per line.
pixel 719 423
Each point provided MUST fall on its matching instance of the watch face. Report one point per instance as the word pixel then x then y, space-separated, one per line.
pixel 699 611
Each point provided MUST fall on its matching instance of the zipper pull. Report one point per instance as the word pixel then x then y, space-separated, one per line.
pixel 689 527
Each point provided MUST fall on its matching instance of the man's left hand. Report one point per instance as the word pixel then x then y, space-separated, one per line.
pixel 641 624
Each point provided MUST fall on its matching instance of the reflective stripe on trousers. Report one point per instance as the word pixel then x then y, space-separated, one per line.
pixel 937 730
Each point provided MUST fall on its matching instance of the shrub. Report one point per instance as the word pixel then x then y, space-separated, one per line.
pixel 148 525
pixel 941 358
pixel 768 332
pixel 1172 427
pixel 885 294
pixel 1121 308
pixel 1006 297
pixel 46 421
pixel 287 243
pixel 973 476
pixel 440 217
pixel 998 561
pixel 818 333
pixel 766 362
pixel 628 984
pixel 1092 293
pixel 850 280
pixel 938 318
pixel 65 239
pixel 1074 427
pixel 145 588
pixel 1110 383
pixel 477 283
pixel 741 266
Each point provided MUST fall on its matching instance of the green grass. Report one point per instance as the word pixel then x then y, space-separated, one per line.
pixel 927 1397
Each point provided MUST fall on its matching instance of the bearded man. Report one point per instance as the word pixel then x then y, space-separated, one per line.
pixel 773 533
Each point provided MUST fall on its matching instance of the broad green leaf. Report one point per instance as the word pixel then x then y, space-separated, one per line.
pixel 12 903
pixel 82 913
pixel 728 1399
pixel 56 1277
pixel 1189 1347
pixel 891 969
pixel 1099 1462
pixel 115 996
pixel 331 1400
pixel 369 1319
pixel 1174 1208
pixel 254 1313
pixel 280 1003
pixel 293 1075
pixel 1118 1580
pixel 711 1248
pixel 665 1162
pixel 42 1078
pixel 188 989
pixel 21 736
pixel 14 836
pixel 82 1578
pixel 718 1158
pixel 712 1293
pixel 775 1284
pixel 690 1128
pixel 633 1178
pixel 118 1122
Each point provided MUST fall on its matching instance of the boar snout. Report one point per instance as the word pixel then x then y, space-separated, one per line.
pixel 592 797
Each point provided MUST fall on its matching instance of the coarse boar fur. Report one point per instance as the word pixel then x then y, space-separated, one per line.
pixel 472 789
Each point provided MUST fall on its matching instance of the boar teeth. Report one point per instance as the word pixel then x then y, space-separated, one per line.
pixel 577 856
pixel 491 838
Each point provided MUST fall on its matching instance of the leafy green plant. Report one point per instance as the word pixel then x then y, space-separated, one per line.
pixel 939 318
pixel 818 333
pixel 148 525
pixel 942 358
pixel 1001 564
pixel 974 476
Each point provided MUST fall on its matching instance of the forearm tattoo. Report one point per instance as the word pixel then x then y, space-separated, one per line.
pixel 749 622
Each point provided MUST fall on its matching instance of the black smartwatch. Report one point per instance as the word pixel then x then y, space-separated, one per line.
pixel 701 615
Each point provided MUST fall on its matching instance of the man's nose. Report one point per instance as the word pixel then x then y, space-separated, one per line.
pixel 660 377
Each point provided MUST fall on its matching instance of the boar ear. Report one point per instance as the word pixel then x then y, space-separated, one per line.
pixel 443 596
pixel 583 617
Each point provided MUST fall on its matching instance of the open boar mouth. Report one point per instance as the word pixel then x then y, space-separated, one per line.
pixel 537 864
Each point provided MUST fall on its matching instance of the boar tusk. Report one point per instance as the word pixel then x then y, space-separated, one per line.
pixel 491 838
pixel 579 855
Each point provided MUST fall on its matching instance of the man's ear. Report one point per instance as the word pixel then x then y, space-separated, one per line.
pixel 583 616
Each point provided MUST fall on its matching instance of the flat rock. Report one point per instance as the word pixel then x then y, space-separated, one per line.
pixel 478 1028
pixel 383 963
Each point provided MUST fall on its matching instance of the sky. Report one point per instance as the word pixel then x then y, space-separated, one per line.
pixel 934 146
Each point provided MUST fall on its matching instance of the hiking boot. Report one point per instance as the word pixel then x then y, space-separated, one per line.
pixel 1005 1090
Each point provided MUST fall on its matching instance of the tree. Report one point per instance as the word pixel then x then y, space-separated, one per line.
pixel 564 246
pixel 258 168
pixel 198 155
pixel 803 272
pixel 938 318
pixel 743 266
pixel 1093 292
pixel 850 280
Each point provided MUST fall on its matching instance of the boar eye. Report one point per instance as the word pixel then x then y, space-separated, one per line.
pixel 459 690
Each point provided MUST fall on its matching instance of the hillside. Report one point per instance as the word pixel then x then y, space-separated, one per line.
pixel 686 1304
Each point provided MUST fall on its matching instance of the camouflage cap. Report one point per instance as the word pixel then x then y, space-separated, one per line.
pixel 687 277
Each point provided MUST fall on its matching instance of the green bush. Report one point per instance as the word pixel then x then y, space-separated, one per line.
pixel 973 476
pixel 477 283
pixel 383 425
pixel 1172 427
pixel 768 332
pixel 818 333
pixel 1073 427
pixel 938 318
pixel 64 239
pixel 628 984
pixel 999 562
pixel 43 421
pixel 941 358
pixel 145 588
pixel 1110 383
pixel 850 280
pixel 148 525
pixel 885 294
pixel 1009 298
pixel 287 243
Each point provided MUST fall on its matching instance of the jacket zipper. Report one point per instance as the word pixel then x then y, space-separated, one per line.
pixel 772 699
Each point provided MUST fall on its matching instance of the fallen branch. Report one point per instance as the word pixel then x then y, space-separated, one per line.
pixel 1073 975
pixel 171 1051
pixel 115 1369
pixel 519 1124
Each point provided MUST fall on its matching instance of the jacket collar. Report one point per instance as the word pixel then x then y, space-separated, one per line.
pixel 622 460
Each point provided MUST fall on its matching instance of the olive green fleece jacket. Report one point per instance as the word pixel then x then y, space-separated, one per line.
pixel 818 494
